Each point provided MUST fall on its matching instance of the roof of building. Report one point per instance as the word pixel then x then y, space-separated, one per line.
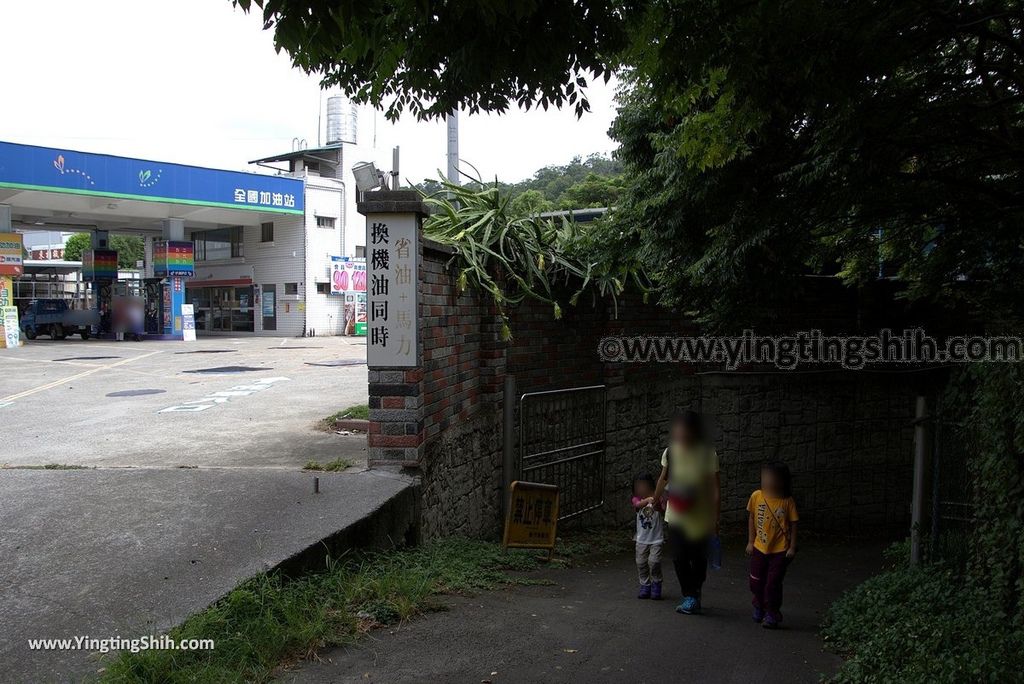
pixel 578 215
pixel 297 154
pixel 51 266
pixel 50 185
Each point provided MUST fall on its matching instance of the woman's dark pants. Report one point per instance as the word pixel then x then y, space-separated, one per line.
pixel 690 559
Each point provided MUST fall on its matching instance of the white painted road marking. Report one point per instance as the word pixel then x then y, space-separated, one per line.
pixel 57 383
pixel 222 397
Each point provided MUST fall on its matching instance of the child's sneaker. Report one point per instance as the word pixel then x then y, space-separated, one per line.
pixel 645 591
pixel 656 591
pixel 771 621
pixel 758 614
pixel 688 606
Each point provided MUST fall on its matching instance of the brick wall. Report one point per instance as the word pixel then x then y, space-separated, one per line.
pixel 846 434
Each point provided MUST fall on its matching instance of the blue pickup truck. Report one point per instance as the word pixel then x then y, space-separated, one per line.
pixel 55 318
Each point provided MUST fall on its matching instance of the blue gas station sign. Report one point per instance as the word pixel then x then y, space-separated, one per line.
pixel 28 167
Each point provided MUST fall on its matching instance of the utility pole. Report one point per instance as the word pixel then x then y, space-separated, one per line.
pixel 922 447
pixel 453 147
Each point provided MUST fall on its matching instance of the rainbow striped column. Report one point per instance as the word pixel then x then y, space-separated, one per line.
pixel 99 264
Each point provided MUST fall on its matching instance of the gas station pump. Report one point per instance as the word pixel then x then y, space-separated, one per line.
pixel 173 261
pixel 153 292
pixel 99 267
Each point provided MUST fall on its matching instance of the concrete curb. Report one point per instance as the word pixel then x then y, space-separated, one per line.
pixel 352 424
pixel 395 523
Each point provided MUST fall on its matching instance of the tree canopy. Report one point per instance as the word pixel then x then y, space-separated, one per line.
pixel 761 141
pixel 583 183
pixel 75 245
pixel 431 58
pixel 764 143
pixel 130 248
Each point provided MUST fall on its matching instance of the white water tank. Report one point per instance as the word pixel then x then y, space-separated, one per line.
pixel 342 120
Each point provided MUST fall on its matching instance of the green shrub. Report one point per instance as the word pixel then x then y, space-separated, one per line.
pixel 923 624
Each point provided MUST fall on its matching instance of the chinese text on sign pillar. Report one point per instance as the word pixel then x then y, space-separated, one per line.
pixel 391 290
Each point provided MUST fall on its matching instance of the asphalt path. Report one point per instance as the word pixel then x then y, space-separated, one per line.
pixel 589 627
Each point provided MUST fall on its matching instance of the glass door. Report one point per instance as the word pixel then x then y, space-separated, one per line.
pixel 269 307
pixel 200 300
pixel 242 313
pixel 221 301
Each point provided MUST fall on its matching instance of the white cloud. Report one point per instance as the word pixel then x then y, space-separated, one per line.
pixel 198 82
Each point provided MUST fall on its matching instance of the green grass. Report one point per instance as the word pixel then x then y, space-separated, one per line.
pixel 335 466
pixel 268 621
pixel 357 412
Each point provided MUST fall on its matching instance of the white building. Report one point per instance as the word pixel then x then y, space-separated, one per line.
pixel 274 279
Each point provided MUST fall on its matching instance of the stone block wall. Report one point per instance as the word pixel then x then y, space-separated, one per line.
pixel 847 437
pixel 846 434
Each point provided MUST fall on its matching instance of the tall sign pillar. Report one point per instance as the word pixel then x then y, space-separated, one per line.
pixel 394 350
pixel 11 266
pixel 174 289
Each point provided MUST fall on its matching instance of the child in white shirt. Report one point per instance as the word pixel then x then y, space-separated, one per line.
pixel 650 536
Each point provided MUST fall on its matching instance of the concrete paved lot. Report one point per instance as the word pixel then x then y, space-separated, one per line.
pixel 234 402
pixel 590 628
pixel 132 552
pixel 193 484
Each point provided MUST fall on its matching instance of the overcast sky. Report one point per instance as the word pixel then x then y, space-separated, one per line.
pixel 198 82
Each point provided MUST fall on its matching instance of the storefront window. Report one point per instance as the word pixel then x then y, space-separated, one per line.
pixel 221 243
pixel 223 309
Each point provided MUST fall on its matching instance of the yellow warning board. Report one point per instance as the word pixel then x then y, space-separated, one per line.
pixel 532 518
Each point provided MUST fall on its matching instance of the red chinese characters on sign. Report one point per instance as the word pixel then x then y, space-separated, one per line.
pixel 46 254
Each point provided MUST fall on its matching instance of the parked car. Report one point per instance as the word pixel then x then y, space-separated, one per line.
pixel 55 318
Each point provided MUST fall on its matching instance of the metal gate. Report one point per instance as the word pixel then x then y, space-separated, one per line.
pixel 562 442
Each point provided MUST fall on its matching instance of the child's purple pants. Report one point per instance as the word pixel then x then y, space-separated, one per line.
pixel 767 570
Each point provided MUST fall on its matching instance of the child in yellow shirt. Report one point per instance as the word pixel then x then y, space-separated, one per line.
pixel 771 541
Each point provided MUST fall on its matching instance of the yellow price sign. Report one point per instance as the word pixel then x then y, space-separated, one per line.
pixel 532 518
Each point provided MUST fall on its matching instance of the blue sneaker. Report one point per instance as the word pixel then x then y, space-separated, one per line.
pixel 688 606
pixel 758 614
pixel 771 620
pixel 645 591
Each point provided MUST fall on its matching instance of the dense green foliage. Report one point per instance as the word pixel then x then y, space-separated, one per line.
pixel 768 141
pixel 923 625
pixel 269 621
pixel 130 248
pixel 514 256
pixel 75 245
pixel 990 399
pixel 959 618
pixel 596 181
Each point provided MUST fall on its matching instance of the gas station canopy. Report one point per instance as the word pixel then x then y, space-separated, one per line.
pixel 57 187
